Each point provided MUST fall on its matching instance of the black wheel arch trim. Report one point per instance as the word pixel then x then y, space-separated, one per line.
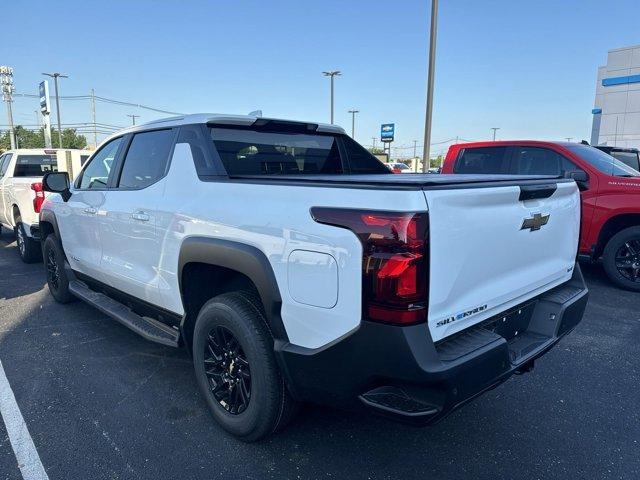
pixel 245 259
pixel 48 216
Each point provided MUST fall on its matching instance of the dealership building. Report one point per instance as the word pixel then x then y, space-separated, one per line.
pixel 616 113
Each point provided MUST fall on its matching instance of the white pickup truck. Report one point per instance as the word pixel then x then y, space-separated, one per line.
pixel 21 193
pixel 294 266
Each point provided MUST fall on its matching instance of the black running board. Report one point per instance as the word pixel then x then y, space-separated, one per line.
pixel 146 327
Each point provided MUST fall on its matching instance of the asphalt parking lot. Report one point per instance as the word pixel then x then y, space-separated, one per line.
pixel 102 403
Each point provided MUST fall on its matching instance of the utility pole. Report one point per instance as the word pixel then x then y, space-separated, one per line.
pixel 569 139
pixel 93 113
pixel 353 122
pixel 55 77
pixel 332 74
pixel 495 129
pixel 6 82
pixel 133 118
pixel 415 156
pixel 430 81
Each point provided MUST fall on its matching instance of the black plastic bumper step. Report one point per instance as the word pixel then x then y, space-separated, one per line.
pixel 394 401
pixel 562 294
pixel 146 327
pixel 465 342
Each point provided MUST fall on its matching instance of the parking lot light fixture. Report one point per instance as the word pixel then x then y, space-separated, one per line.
pixel 331 74
pixel 353 122
pixel 495 129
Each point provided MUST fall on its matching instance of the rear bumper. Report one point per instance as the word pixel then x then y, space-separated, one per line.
pixel 400 373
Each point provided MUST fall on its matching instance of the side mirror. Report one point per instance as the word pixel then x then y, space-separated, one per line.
pixel 581 178
pixel 57 182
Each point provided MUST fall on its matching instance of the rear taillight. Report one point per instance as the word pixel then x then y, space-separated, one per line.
pixel 396 170
pixel 395 261
pixel 39 198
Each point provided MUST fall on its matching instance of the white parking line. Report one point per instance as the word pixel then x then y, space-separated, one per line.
pixel 21 442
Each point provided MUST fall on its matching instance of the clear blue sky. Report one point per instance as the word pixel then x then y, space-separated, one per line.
pixel 528 67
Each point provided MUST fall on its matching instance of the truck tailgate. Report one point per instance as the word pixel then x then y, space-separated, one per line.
pixel 491 249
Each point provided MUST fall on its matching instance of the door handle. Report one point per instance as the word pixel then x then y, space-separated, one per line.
pixel 140 216
pixel 90 210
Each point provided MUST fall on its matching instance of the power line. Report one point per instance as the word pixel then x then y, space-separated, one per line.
pixel 104 100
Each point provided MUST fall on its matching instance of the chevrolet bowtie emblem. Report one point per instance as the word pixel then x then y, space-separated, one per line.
pixel 536 222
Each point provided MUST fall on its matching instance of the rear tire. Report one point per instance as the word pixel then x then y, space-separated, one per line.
pixel 57 279
pixel 234 361
pixel 28 248
pixel 621 259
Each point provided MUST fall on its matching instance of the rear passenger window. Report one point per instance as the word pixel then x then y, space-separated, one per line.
pixel 483 160
pixel 146 159
pixel 540 161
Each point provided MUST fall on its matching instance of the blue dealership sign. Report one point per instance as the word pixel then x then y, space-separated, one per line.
pixel 387 131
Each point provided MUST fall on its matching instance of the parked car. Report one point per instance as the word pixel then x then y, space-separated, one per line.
pixel 294 267
pixel 21 193
pixel 398 167
pixel 628 156
pixel 610 191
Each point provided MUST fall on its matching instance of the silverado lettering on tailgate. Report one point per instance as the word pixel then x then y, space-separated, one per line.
pixel 461 315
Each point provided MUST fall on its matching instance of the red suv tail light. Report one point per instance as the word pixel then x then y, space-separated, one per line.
pixel 39 198
pixel 395 261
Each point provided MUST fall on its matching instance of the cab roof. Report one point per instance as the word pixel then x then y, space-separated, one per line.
pixel 223 119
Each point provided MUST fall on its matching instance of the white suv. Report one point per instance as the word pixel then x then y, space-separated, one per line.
pixel 295 267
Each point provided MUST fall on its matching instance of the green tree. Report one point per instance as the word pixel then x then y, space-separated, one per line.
pixel 436 162
pixel 376 151
pixel 70 138
pixel 35 138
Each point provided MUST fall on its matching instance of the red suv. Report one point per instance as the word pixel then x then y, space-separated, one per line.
pixel 610 194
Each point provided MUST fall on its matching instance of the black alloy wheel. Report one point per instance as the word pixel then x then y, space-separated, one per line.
pixel 628 260
pixel 20 240
pixel 227 370
pixel 53 272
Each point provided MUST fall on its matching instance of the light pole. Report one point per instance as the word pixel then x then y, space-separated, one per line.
pixel 55 77
pixel 332 74
pixel 569 139
pixel 430 81
pixel 495 129
pixel 374 142
pixel 6 82
pixel 353 122
pixel 133 118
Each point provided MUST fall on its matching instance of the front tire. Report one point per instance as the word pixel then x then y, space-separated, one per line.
pixel 621 259
pixel 57 279
pixel 28 248
pixel 236 367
